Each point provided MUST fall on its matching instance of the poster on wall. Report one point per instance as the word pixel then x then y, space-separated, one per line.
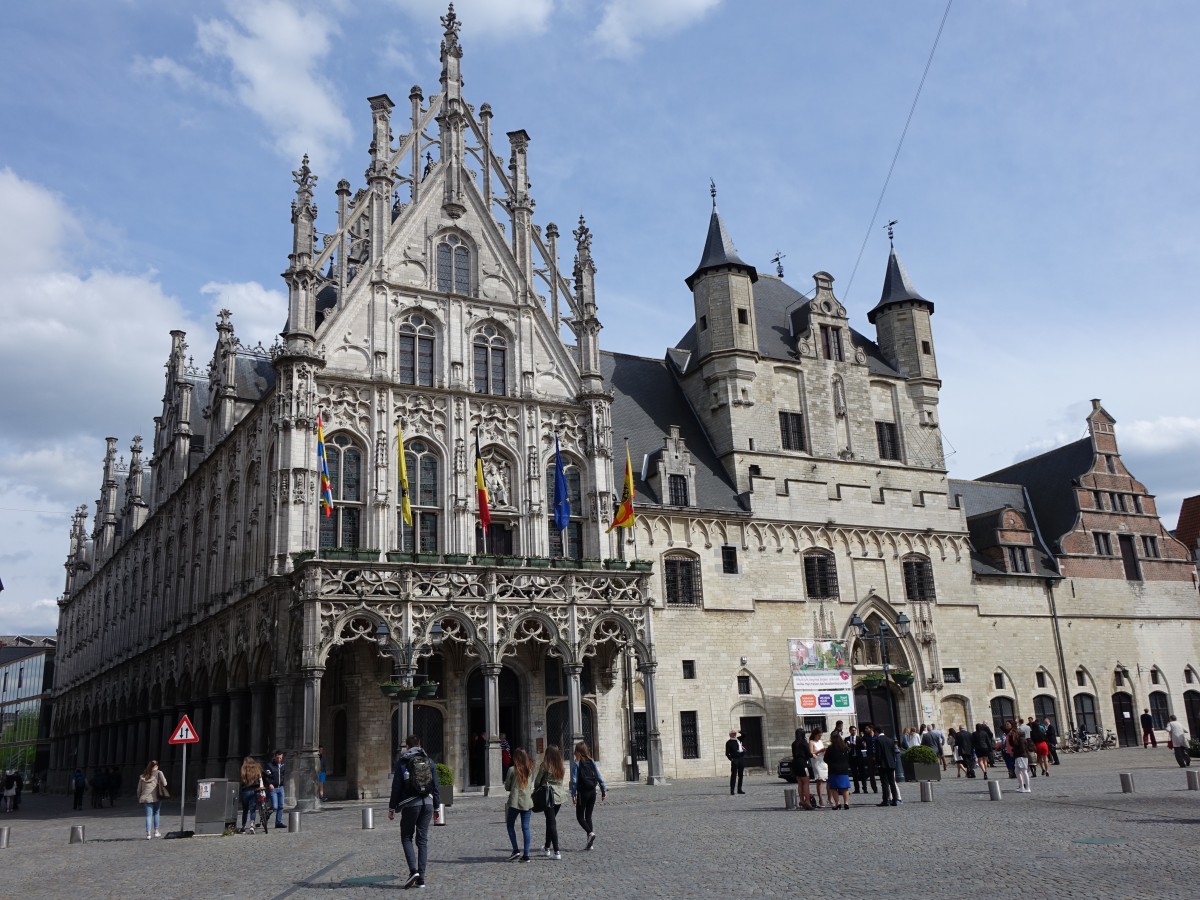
pixel 821 677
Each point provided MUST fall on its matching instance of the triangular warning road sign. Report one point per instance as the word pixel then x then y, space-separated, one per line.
pixel 184 733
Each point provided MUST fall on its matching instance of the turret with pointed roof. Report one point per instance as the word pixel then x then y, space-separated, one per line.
pixel 905 335
pixel 723 294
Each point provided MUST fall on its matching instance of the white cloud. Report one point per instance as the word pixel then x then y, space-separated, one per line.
pixel 34 226
pixel 626 23
pixel 486 18
pixel 274 50
pixel 183 77
pixel 259 314
pixel 1166 434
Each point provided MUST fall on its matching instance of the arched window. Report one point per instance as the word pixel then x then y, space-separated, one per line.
pixel 918 578
pixel 1085 713
pixel 342 529
pixel 1160 709
pixel 820 575
pixel 1044 708
pixel 423 497
pixel 453 265
pixel 568 542
pixel 415 350
pixel 682 575
pixel 1002 711
pixel 490 349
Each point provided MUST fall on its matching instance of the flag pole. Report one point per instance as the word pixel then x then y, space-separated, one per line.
pixel 633 527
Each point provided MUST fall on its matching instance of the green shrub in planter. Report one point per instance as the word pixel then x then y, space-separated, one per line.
pixel 921 754
pixel 445 777
pixel 1193 749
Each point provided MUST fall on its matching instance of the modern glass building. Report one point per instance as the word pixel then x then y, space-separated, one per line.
pixel 26 677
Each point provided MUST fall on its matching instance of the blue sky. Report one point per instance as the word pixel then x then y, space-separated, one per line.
pixel 1046 193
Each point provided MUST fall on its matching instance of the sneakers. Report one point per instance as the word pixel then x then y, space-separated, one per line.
pixel 547 851
pixel 420 881
pixel 280 825
pixel 524 859
pixel 555 855
pixel 413 878
pixel 147 836
pixel 591 840
pixel 515 855
pixel 156 834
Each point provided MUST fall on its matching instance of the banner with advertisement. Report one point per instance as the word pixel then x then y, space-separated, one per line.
pixel 821 677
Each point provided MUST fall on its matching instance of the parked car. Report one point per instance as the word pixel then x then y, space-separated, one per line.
pixel 784 770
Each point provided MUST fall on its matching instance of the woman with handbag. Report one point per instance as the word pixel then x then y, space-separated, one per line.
pixel 519 784
pixel 151 791
pixel 252 783
pixel 549 792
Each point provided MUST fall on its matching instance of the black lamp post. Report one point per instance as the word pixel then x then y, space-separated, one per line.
pixel 883 636
pixel 404 660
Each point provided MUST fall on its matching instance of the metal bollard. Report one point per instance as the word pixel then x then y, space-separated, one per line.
pixel 1193 780
pixel 77 834
pixel 926 791
pixel 441 819
pixel 368 818
pixel 790 800
pixel 1126 782
pixel 294 822
pixel 994 790
pixel 3 837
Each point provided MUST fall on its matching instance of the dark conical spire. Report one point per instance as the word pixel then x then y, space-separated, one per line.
pixel 896 288
pixel 718 248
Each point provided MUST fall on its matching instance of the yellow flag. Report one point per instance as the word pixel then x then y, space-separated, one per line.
pixel 624 517
pixel 405 505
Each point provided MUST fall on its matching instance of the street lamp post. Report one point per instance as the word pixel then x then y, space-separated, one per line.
pixel 882 637
pixel 404 656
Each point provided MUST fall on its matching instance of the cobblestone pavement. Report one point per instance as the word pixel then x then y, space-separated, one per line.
pixel 1076 835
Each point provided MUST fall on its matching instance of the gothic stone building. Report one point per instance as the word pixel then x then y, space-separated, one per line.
pixel 789 476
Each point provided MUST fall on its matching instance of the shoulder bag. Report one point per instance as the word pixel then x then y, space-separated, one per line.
pixel 161 790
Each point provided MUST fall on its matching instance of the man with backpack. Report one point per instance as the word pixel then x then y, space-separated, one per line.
pixel 415 795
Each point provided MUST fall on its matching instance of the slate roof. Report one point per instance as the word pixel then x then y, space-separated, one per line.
pixel 896 288
pixel 254 376
pixel 981 503
pixel 647 401
pixel 776 305
pixel 1050 479
pixel 719 251
pixel 1188 529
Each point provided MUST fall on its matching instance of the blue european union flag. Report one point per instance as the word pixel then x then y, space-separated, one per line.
pixel 562 502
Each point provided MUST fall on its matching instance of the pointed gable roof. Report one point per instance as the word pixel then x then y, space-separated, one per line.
pixel 1051 479
pixel 896 288
pixel 719 251
pixel 1188 529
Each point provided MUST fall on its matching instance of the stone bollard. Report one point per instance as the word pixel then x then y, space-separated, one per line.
pixel 368 818
pixel 294 822
pixel 1193 780
pixel 790 800
pixel 994 790
pixel 77 834
pixel 926 791
pixel 3 837
pixel 1126 782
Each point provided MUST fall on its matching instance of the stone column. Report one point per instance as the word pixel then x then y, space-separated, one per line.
pixel 493 776
pixel 305 757
pixel 257 726
pixel 198 752
pixel 214 754
pixel 141 743
pixel 654 769
pixel 236 743
pixel 574 704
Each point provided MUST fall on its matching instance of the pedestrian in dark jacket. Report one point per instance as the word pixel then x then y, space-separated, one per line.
pixel 273 779
pixel 417 807
pixel 984 743
pixel 801 754
pixel 885 764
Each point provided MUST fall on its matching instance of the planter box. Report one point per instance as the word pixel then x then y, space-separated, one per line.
pixel 510 560
pixel 485 559
pixel 336 553
pixel 366 554
pixel 399 556
pixel 562 562
pixel 426 558
pixel 303 555
pixel 537 562
pixel 641 565
pixel 390 690
pixel 406 695
pixel 589 564
pixel 926 772
pixel 616 565
pixel 457 559
pixel 428 689
pixel 447 792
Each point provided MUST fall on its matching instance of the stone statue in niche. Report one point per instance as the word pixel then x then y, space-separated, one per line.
pixel 839 398
pixel 497 475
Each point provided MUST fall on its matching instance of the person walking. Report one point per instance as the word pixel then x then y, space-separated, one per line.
pixel 735 752
pixel 415 795
pixel 801 755
pixel 553 774
pixel 78 786
pixel 273 777
pixel 852 740
pixel 866 760
pixel 837 760
pixel 10 791
pixel 519 784
pixel 585 782
pixel 1039 746
pixel 984 743
pixel 505 755
pixel 885 762
pixel 1018 747
pixel 1051 739
pixel 1148 730
pixel 1177 740
pixel 817 767
pixel 321 774
pixel 151 789
pixel 252 783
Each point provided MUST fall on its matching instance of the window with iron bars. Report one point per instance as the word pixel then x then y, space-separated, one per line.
pixel 820 576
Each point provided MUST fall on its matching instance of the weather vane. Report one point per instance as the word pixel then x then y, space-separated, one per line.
pixel 712 189
pixel 778 259
pixel 891 231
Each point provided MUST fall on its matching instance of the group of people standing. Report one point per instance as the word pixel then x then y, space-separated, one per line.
pixel 262 787
pixel 826 770
pixel 104 783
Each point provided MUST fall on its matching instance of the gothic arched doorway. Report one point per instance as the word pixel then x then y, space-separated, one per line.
pixel 878 706
pixel 510 722
pixel 558 728
pixel 1125 720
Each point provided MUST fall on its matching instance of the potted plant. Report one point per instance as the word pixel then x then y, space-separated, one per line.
pixel 588 563
pixel 407 694
pixel 428 689
pixel 391 688
pixel 903 677
pixel 485 559
pixel 303 555
pixel 616 565
pixel 641 565
pixel 564 562
pixel 457 559
pixel 537 562
pixel 509 560
pixel 871 680
pixel 426 558
pixel 1193 749
pixel 336 553
pixel 399 556
pixel 921 764
pixel 366 554
pixel 445 777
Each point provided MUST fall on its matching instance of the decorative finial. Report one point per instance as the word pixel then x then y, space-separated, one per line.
pixel 891 231
pixel 778 259
pixel 450 40
pixel 583 237
pixel 712 189
pixel 303 176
